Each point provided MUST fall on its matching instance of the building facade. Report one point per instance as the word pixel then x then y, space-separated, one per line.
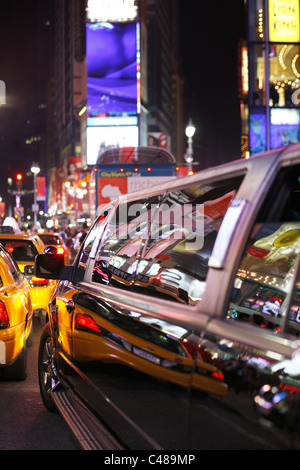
pixel 116 83
pixel 270 76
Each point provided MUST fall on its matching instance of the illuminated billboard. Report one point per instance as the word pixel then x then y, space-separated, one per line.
pixel 101 138
pixel 113 68
pixel 258 133
pixel 284 21
pixel 112 10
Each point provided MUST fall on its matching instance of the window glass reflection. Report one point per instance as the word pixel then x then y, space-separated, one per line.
pixel 284 69
pixel 267 268
pixel 293 323
pixel 118 255
pixel 161 246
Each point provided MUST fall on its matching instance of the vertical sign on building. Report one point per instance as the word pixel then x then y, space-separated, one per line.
pixel 284 21
pixel 113 76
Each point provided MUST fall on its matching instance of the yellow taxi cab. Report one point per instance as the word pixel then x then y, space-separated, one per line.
pixel 55 239
pixel 15 318
pixel 24 248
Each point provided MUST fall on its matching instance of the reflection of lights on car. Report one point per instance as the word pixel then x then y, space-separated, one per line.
pixel 272 307
pixel 38 281
pixel 4 320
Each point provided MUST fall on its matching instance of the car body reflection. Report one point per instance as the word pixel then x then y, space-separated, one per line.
pixel 183 334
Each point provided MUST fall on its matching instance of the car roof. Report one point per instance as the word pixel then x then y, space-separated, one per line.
pixel 17 236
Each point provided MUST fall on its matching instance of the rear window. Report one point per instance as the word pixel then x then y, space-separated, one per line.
pixel 50 239
pixel 21 250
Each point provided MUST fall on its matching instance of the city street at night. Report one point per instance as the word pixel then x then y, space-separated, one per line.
pixel 150 227
pixel 25 424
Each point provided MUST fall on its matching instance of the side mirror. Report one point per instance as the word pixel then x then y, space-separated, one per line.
pixel 29 270
pixel 51 266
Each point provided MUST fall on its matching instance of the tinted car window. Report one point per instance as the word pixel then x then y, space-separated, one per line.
pixel 89 242
pixel 50 239
pixel 183 231
pixel 266 269
pixel 161 246
pixel 121 244
pixel 13 268
pixel 21 250
pixel 293 318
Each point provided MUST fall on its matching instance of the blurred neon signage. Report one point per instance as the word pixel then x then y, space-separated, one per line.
pixel 101 138
pixel 284 21
pixel 245 79
pixel 112 10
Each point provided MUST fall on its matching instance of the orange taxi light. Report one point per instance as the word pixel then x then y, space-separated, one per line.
pixel 60 250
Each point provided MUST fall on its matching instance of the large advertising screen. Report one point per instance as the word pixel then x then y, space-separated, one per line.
pixel 258 133
pixel 113 68
pixel 102 138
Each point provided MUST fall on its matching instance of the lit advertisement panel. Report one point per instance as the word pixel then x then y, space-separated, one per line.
pixel 258 134
pixel 113 68
pixel 101 138
pixel 285 127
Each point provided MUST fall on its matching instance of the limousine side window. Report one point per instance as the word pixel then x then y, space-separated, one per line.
pixel 183 231
pixel 267 266
pixel 161 245
pixel 118 255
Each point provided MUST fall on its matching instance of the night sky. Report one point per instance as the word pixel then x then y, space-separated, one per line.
pixel 209 33
pixel 209 41
pixel 17 65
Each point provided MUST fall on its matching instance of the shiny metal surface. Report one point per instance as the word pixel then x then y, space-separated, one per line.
pixel 163 333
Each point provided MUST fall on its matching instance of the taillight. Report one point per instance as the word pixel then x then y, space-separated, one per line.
pixel 218 375
pixel 86 323
pixel 60 250
pixel 4 320
pixel 38 281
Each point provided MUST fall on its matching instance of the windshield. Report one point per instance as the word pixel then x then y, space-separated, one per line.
pixel 50 239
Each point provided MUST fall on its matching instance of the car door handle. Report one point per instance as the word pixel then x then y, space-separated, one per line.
pixel 70 306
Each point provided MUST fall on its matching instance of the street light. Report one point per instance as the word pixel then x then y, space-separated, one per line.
pixel 189 132
pixel 35 207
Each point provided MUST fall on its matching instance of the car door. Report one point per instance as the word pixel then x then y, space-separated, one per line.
pixel 254 342
pixel 145 363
